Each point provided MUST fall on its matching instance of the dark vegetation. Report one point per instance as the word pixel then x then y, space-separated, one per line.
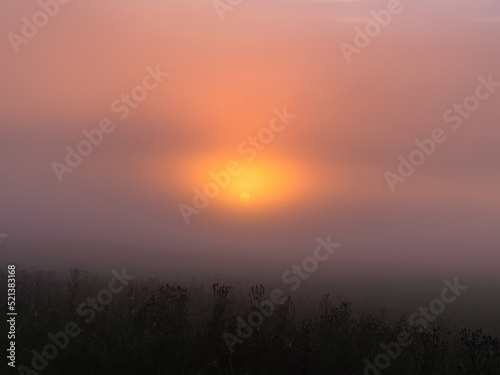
pixel 153 328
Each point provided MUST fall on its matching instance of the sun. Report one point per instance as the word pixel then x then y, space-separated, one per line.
pixel 233 184
pixel 245 196
pixel 259 184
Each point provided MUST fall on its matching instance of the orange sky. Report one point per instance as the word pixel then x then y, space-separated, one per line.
pixel 323 174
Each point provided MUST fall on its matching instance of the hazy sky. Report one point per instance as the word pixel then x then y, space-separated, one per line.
pixel 323 174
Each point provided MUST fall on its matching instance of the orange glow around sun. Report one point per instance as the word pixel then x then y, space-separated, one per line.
pixel 258 184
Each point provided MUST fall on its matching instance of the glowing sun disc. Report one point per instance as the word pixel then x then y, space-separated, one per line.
pixel 245 196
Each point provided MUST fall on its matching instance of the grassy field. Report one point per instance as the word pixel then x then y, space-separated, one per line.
pixel 148 327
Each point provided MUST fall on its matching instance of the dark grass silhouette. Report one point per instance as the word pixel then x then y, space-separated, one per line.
pixel 153 328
